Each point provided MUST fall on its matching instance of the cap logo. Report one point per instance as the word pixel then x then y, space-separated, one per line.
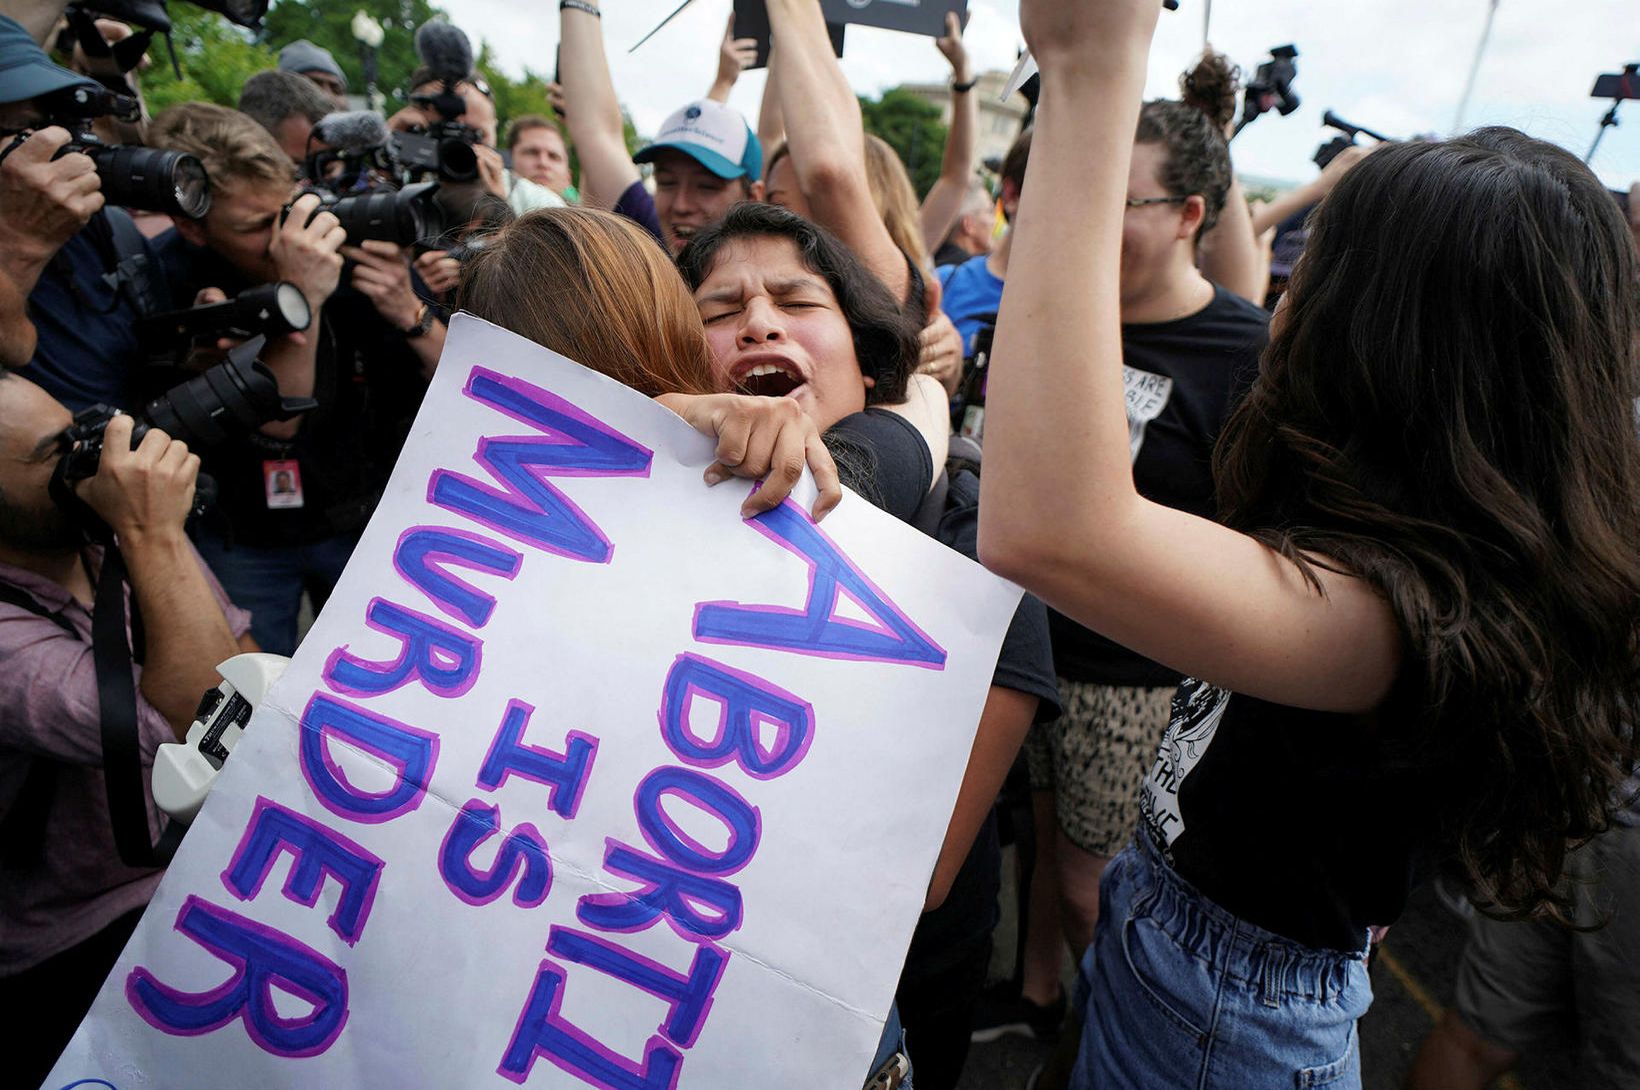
pixel 691 113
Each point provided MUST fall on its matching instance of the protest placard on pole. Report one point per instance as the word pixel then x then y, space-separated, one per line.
pixel 578 779
pixel 925 17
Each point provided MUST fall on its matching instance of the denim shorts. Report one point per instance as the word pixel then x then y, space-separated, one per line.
pixel 1178 992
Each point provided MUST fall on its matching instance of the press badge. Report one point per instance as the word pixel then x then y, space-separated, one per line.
pixel 282 484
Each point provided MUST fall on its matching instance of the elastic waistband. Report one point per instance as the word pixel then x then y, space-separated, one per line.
pixel 1247 953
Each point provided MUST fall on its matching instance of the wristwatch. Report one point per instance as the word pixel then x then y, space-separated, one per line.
pixel 424 322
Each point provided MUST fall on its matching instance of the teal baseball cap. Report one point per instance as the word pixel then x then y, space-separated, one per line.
pixel 25 70
pixel 714 135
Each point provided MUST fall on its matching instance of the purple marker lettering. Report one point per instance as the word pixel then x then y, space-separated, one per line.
pixel 564 774
pixel 748 704
pixel 694 906
pixel 688 997
pixel 816 630
pixel 737 816
pixel 442 657
pixel 527 508
pixel 411 753
pixel 543 1032
pixel 522 856
pixel 423 551
pixel 316 851
pixel 262 959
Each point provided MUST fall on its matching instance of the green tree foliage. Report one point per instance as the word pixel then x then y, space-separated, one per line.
pixel 328 23
pixel 216 58
pixel 912 127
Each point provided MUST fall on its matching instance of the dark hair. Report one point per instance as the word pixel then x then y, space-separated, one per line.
pixel 1192 132
pixel 1447 410
pixel 885 338
pixel 268 98
pixel 1017 159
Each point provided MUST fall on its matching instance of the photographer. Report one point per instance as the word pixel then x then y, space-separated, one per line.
pixel 288 106
pixel 58 244
pixel 363 358
pixel 68 901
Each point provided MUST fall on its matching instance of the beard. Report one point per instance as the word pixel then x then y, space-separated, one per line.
pixel 37 528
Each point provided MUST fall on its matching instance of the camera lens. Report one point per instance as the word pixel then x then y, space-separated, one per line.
pixel 239 394
pixel 172 182
pixel 403 216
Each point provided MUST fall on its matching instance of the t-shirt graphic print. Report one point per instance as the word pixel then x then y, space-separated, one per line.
pixel 1198 708
pixel 1147 395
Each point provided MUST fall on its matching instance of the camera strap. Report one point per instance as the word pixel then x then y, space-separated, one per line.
pixel 133 268
pixel 121 740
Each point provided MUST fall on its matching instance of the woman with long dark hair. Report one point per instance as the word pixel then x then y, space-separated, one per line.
pixel 1415 640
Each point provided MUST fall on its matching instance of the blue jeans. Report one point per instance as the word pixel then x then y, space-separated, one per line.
pixel 893 1040
pixel 269 581
pixel 1180 993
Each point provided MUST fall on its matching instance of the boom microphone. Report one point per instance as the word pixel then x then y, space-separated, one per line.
pixel 445 50
pixel 354 132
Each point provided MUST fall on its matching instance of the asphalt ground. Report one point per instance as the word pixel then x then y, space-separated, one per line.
pixel 1412 981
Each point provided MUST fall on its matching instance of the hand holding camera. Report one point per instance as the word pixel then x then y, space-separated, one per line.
pixel 306 249
pixel 47 197
pixel 143 494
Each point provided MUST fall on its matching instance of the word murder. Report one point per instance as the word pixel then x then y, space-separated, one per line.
pixel 762 732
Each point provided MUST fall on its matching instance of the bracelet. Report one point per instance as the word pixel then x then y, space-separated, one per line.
pixel 956 88
pixel 581 5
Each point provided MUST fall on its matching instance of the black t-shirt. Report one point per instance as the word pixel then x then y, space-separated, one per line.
pixel 1182 377
pixel 882 456
pixel 368 383
pixel 1291 819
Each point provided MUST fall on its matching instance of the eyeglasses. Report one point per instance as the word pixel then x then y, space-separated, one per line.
pixel 1140 202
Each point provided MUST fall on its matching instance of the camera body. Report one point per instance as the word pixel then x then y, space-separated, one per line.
pixel 184 771
pixel 445 150
pixel 152 179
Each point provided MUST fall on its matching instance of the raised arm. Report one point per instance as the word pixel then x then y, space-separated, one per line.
pixel 592 112
pixel 1230 254
pixel 943 204
pixel 1295 200
pixel 735 55
pixel 827 140
pixel 771 122
pixel 1059 512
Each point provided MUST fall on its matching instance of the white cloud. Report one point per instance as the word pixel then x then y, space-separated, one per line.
pixel 1397 66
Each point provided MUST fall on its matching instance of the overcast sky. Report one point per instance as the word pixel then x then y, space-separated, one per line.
pixel 1396 66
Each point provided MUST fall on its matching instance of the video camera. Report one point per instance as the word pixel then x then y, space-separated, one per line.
pixel 446 147
pixel 1329 151
pixel 152 179
pixel 238 394
pixel 1271 87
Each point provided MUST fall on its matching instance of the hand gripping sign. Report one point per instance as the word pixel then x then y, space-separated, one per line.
pixel 578 780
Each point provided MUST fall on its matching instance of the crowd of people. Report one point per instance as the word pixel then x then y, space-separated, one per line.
pixel 1334 587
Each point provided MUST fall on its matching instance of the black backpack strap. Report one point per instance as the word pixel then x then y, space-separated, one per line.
pixel 133 274
pixel 121 738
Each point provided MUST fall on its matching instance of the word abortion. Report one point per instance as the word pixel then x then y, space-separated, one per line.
pixel 761 733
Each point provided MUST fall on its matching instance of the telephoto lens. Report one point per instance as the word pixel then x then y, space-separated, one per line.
pixel 403 216
pixel 267 310
pixel 152 179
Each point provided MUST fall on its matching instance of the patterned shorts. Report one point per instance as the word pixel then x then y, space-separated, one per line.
pixel 1095 756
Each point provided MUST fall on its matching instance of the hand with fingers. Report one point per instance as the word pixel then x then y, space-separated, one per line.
pixel 761 438
pixel 735 55
pixel 439 271
pixel 143 494
pixel 381 273
pixel 306 249
pixel 46 196
pixel 941 355
pixel 950 45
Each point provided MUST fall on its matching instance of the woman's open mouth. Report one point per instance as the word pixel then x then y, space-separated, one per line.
pixel 769 380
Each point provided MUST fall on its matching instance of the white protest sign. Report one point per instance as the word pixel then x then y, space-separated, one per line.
pixel 579 779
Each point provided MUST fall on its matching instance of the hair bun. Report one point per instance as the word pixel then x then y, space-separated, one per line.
pixel 1211 86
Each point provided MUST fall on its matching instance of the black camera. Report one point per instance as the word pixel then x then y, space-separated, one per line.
pixel 402 216
pixel 152 179
pixel 1271 87
pixel 152 14
pixel 1329 151
pixel 446 149
pixel 267 310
